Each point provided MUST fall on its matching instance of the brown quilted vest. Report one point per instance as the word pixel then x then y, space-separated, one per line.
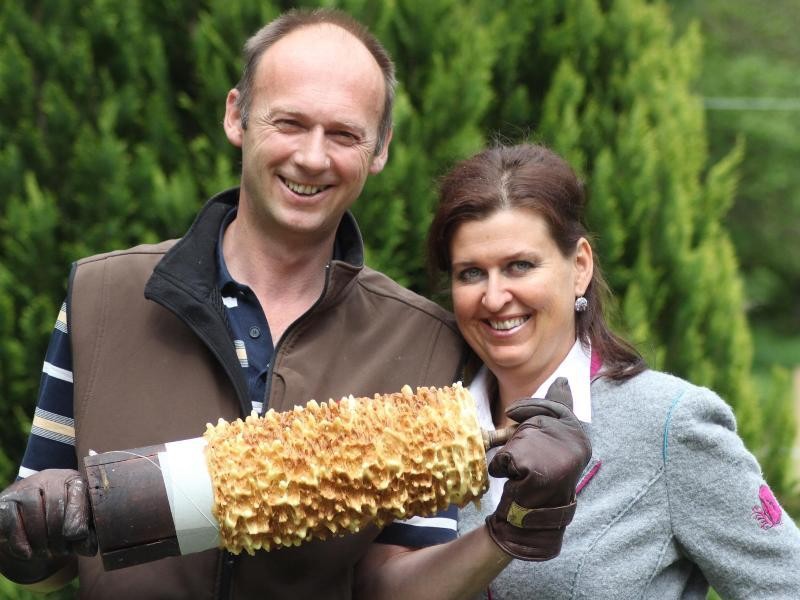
pixel 144 375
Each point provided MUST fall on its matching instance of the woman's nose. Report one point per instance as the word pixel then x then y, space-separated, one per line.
pixel 496 295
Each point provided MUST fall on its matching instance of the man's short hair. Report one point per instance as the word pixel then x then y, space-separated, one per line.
pixel 264 38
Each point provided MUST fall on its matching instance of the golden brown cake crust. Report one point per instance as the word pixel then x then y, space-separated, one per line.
pixel 330 468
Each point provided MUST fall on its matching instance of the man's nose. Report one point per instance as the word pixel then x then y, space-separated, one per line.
pixel 312 153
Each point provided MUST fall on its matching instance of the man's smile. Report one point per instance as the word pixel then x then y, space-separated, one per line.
pixel 303 189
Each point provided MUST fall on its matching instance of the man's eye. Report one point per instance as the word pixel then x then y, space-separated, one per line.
pixel 469 275
pixel 344 137
pixel 288 125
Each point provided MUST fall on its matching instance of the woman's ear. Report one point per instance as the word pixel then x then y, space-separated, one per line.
pixel 584 266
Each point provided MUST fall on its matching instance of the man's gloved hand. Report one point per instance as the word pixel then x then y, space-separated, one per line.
pixel 44 519
pixel 543 461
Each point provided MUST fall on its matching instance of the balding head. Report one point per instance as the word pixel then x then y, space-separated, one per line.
pixel 289 22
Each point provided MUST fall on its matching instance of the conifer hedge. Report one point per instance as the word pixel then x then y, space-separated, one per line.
pixel 110 135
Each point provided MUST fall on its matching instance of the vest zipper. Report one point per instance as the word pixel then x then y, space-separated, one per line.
pixel 288 330
pixel 228 560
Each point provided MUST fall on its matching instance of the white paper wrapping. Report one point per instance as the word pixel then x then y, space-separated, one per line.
pixel 188 485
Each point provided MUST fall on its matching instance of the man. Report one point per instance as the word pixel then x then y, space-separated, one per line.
pixel 264 303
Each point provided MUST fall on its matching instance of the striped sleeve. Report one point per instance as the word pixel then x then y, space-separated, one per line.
pixel 418 532
pixel 51 444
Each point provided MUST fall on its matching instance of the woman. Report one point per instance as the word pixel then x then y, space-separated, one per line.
pixel 671 500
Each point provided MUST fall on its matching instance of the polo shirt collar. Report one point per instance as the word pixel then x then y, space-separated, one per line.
pixel 346 232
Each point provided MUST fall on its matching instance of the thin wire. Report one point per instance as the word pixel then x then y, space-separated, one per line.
pixel 744 103
pixel 157 466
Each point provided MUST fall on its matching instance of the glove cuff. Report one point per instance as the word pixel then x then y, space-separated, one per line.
pixel 556 517
pixel 531 534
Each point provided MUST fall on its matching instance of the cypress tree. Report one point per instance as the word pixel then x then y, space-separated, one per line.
pixel 111 137
pixel 97 154
pixel 608 84
pixel 444 54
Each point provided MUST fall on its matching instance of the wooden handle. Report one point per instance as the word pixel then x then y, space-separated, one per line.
pixel 132 517
pixel 497 437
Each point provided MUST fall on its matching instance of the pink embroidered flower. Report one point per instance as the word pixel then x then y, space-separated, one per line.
pixel 769 513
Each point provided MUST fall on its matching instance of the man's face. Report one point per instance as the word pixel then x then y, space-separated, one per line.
pixel 310 139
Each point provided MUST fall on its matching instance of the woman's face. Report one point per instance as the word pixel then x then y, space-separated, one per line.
pixel 514 293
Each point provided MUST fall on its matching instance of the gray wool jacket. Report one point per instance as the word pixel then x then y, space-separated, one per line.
pixel 670 502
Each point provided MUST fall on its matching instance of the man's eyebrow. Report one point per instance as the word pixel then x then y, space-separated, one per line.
pixel 274 111
pixel 336 125
pixel 350 126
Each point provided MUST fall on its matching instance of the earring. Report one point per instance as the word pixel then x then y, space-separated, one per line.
pixel 581 304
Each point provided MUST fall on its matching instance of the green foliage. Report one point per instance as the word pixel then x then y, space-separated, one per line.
pixel 111 137
pixel 712 595
pixel 610 89
pixel 444 55
pixel 105 145
pixel 753 52
pixel 780 427
pixel 10 591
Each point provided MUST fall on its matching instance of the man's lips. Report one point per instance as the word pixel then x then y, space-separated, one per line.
pixel 303 189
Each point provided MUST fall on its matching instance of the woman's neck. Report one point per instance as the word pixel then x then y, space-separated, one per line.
pixel 509 389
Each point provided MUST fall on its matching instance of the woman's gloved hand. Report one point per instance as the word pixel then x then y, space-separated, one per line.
pixel 44 520
pixel 542 461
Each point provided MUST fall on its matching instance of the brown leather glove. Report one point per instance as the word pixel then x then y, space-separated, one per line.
pixel 543 461
pixel 44 520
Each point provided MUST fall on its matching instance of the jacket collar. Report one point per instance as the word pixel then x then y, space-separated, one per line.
pixel 576 367
pixel 185 281
pixel 191 263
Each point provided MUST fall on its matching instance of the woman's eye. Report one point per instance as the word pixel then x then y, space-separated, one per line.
pixel 468 275
pixel 520 267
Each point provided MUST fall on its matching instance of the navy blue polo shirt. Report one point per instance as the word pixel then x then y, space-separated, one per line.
pixel 252 338
pixel 248 325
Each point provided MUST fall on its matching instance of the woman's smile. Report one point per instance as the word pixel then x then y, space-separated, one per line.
pixel 514 292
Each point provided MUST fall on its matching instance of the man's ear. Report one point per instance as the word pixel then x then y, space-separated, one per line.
pixel 379 160
pixel 584 266
pixel 233 119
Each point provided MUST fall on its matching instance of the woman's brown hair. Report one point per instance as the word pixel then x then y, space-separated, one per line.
pixel 531 177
